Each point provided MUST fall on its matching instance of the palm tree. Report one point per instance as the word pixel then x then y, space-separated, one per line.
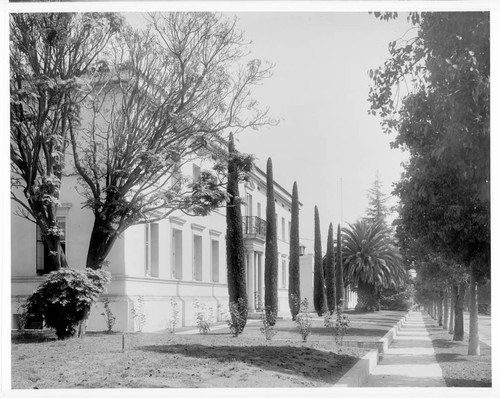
pixel 371 261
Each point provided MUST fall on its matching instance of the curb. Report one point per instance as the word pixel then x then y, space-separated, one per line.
pixel 359 373
pixel 388 338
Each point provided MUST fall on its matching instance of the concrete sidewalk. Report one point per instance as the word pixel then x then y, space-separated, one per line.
pixel 410 360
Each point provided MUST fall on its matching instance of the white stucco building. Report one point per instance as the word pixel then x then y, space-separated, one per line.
pixel 181 257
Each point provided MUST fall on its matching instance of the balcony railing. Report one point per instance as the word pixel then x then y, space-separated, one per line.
pixel 254 226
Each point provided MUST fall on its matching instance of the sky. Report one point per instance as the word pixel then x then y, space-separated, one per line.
pixel 325 139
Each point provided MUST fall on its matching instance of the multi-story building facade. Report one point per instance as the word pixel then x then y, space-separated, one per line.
pixel 181 258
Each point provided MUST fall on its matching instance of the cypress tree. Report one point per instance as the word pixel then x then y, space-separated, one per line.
pixel 330 271
pixel 235 254
pixel 294 266
pixel 271 253
pixel 339 271
pixel 319 278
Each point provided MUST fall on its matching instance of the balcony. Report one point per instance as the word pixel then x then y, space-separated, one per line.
pixel 254 227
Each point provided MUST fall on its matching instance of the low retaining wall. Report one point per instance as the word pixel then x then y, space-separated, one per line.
pixel 359 373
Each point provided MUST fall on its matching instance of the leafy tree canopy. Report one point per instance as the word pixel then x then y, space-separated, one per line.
pixel 443 121
pixel 371 256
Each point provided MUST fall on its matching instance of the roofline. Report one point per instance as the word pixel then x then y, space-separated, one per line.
pixel 275 183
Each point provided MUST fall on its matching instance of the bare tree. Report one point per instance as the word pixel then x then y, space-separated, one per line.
pixel 171 95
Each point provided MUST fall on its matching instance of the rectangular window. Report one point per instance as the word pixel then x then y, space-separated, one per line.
pixel 42 253
pixel 196 173
pixel 151 249
pixel 147 254
pixel 289 230
pixel 177 254
pixel 248 207
pixel 215 260
pixel 283 231
pixel 259 210
pixel 283 274
pixel 197 258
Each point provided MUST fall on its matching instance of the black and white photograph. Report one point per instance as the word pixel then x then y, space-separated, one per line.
pixel 227 197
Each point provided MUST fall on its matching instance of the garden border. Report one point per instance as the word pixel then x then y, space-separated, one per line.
pixel 359 373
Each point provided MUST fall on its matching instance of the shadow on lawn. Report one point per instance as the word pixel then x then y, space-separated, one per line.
pixel 297 361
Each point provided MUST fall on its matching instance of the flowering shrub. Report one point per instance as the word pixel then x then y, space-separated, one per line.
pixel 304 320
pixel 174 317
pixel 203 320
pixel 108 315
pixel 64 299
pixel 340 324
pixel 138 313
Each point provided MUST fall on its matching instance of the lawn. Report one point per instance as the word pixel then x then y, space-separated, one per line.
pixel 159 360
pixel 167 360
pixel 460 369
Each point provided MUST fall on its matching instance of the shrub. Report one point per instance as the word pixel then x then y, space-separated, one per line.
pixel 268 321
pixel 304 320
pixel 174 316
pixel 396 301
pixel 108 315
pixel 138 313
pixel 340 324
pixel 203 320
pixel 22 315
pixel 236 322
pixel 64 299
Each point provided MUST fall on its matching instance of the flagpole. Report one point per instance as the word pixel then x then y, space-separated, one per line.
pixel 341 204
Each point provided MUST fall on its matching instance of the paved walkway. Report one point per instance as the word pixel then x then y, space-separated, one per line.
pixel 410 360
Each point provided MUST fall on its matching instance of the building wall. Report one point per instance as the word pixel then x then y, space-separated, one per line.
pixel 157 285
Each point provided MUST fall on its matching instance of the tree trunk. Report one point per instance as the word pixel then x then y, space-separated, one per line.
pixel 446 309
pixel 367 297
pixel 451 327
pixel 102 239
pixel 474 346
pixel 459 313
pixel 440 309
pixel 56 258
